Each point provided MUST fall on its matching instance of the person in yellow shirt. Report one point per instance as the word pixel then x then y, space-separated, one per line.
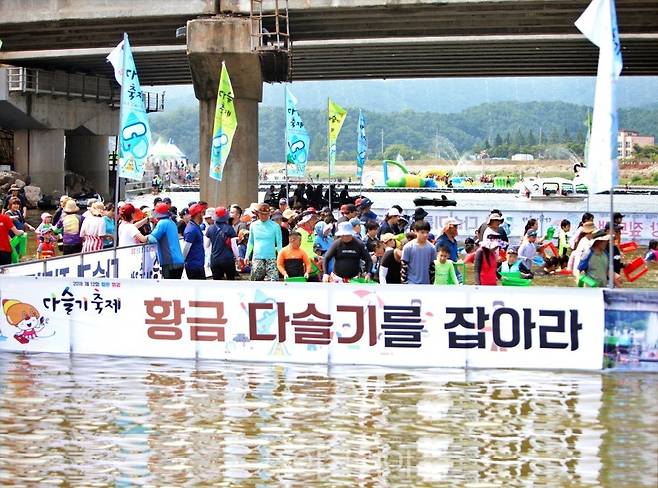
pixel 293 261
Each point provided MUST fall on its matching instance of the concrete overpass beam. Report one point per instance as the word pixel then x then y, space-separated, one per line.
pixel 40 154
pixel 209 42
pixel 87 155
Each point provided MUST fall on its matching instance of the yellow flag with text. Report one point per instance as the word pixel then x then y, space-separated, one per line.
pixel 226 121
pixel 336 116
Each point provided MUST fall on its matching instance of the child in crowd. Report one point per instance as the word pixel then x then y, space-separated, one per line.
pixel 513 265
pixel 418 257
pixel 444 269
pixel 652 252
pixel 469 250
pixel 563 248
pixel 486 261
pixel 239 246
pixel 551 265
pixel 292 261
pixel 47 242
pixel 46 219
pixel 377 255
pixel 371 235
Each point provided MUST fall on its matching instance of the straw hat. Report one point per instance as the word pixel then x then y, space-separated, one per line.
pixel 97 209
pixel 70 206
pixel 588 228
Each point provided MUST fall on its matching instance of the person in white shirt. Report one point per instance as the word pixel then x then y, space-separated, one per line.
pixel 129 233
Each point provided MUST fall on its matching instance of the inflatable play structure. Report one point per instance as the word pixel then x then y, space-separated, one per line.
pixel 407 180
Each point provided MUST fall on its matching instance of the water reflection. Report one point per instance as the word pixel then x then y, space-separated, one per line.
pixel 127 421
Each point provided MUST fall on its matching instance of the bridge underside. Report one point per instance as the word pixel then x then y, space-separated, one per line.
pixel 393 40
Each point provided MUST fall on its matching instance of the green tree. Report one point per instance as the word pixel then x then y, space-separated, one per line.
pixel 531 140
pixel 498 141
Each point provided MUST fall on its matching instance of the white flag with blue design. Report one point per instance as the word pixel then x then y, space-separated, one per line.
pixel 134 130
pixel 599 24
pixel 297 139
pixel 362 146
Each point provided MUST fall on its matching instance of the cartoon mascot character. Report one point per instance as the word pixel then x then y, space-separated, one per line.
pixel 26 318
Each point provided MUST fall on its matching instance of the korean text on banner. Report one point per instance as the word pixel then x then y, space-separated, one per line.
pixel 336 116
pixel 599 24
pixel 548 328
pixel 226 121
pixel 134 131
pixel 362 146
pixel 297 138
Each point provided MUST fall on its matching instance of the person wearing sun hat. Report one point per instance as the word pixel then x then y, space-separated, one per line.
pixel 347 253
pixel 264 243
pixel 70 224
pixel 390 223
pixel 165 235
pixel 583 243
pixel 47 242
pixel 222 256
pixel 306 229
pixel 92 230
pixel 486 261
pixel 594 262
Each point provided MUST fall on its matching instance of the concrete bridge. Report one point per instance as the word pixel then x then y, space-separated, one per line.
pixel 331 39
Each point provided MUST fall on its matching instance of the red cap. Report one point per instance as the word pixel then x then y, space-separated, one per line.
pixel 221 214
pixel 161 211
pixel 196 209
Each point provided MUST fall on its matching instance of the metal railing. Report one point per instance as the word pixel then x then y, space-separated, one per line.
pixel 74 86
pixel 278 35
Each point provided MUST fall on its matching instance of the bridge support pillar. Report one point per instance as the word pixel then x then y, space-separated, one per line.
pixel 40 153
pixel 87 155
pixel 209 42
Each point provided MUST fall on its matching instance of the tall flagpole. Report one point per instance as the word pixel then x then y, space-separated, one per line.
pixel 329 154
pixel 117 179
pixel 285 154
pixel 611 248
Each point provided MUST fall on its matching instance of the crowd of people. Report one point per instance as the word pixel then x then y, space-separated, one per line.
pixel 271 242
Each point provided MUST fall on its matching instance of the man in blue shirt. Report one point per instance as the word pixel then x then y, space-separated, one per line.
pixel 165 235
pixel 193 250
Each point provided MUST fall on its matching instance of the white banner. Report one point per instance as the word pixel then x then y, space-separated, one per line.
pixel 639 227
pixel 129 262
pixel 393 325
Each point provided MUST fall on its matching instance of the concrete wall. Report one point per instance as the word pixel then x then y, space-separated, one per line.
pixel 88 156
pixel 60 113
pixel 40 153
pixel 13 11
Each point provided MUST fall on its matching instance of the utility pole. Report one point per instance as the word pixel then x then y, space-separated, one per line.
pixel 540 136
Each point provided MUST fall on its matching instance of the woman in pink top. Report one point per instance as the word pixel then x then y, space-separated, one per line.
pixel 93 231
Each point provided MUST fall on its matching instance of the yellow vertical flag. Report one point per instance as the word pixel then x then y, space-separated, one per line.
pixel 336 115
pixel 226 121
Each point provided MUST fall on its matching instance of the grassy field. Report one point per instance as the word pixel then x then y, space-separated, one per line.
pixel 645 174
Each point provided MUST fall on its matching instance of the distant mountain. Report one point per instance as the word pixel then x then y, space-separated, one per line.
pixel 427 131
pixel 442 95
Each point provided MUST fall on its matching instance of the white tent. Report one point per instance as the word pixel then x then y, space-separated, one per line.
pixel 164 151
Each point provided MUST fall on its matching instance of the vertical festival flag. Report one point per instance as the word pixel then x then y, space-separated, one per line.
pixel 336 116
pixel 226 121
pixel 599 24
pixel 297 138
pixel 134 130
pixel 361 146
